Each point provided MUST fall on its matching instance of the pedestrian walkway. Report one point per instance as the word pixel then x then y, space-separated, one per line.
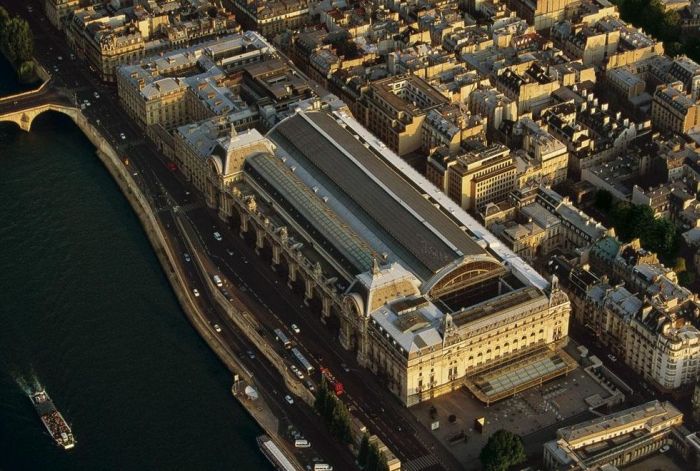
pixel 421 463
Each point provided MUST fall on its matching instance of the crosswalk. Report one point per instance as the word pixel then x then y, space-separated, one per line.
pixel 420 463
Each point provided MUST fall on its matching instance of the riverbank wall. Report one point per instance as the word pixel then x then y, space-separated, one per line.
pixel 259 410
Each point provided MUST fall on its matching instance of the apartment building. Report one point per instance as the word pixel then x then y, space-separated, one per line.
pixel 587 43
pixel 530 89
pixel 395 108
pixel 109 40
pixel 578 230
pixel 57 11
pixel 614 440
pixel 543 159
pixel 474 178
pixel 673 110
pixel 541 14
pixel 649 322
pixel 190 84
pixel 449 126
pixel 627 83
pixel 525 239
pixel 270 17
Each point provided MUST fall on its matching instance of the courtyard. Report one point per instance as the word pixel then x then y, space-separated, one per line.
pixel 534 414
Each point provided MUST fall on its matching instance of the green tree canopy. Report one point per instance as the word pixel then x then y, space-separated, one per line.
pixel 363 452
pixel 4 20
pixel 334 412
pixel 4 17
pixel 20 41
pixel 679 265
pixel 16 39
pixel 603 200
pixel 373 458
pixel 658 235
pixel 503 449
pixel 382 464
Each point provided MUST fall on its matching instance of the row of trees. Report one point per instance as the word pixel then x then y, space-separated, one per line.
pixel 334 413
pixel 17 43
pixel 633 221
pixel 337 418
pixel 369 458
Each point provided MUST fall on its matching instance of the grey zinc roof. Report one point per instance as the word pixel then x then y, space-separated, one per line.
pixel 422 235
pixel 309 207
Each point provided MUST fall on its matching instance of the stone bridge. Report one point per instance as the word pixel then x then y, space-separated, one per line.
pixel 22 108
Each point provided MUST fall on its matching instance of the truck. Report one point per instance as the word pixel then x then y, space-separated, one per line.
pixel 302 360
pixel 279 335
pixel 335 385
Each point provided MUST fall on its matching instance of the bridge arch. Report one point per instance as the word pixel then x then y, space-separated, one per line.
pixel 25 117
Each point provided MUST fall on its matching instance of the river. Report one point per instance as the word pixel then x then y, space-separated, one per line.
pixel 86 311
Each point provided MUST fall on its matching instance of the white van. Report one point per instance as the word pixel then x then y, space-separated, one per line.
pixel 301 443
pixel 217 281
pixel 323 467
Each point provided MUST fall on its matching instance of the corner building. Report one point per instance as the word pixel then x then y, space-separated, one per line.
pixel 427 298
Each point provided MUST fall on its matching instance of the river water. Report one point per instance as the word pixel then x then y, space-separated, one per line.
pixel 86 312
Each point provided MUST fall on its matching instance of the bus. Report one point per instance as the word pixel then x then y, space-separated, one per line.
pixel 279 335
pixel 302 361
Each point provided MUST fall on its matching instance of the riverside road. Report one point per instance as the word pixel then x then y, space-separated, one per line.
pixel 247 276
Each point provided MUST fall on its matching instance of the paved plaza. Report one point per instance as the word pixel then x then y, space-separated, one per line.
pixel 534 414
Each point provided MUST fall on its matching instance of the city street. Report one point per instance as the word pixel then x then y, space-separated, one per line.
pixel 248 277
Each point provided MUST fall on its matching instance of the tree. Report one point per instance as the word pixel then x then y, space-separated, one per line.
pixel 679 265
pixel 323 404
pixel 19 43
pixel 363 452
pixel 4 21
pixel 686 278
pixel 503 449
pixel 373 458
pixel 340 421
pixel 382 464
pixel 4 17
pixel 603 200
pixel 334 413
pixel 655 234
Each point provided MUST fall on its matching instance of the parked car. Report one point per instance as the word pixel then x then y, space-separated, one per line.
pixel 217 236
pixel 296 371
pixel 289 399
pixel 296 329
pixel 612 357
